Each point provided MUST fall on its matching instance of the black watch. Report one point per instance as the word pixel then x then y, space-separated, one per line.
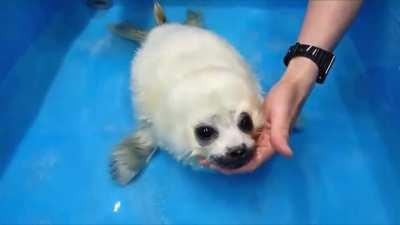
pixel 324 59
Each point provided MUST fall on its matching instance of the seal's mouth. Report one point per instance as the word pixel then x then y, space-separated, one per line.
pixel 233 161
pixel 223 165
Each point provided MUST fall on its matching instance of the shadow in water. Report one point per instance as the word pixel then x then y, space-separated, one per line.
pixel 25 87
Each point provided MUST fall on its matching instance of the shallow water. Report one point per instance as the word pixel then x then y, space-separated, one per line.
pixel 66 103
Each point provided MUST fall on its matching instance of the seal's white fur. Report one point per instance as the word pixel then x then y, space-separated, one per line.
pixel 183 75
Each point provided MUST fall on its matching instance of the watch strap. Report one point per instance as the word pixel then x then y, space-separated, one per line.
pixel 322 58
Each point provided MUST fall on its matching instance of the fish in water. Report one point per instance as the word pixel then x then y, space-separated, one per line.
pixel 194 95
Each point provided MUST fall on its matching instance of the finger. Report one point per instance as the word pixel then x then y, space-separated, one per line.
pixel 263 152
pixel 204 162
pixel 280 126
pixel 264 147
pixel 256 133
pixel 280 144
pixel 263 138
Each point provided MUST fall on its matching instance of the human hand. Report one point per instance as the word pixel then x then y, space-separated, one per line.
pixel 284 102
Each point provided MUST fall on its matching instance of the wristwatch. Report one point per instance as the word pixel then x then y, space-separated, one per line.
pixel 324 59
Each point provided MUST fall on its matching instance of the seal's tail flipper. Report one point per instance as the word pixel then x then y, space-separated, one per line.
pixel 159 14
pixel 128 31
pixel 194 18
pixel 131 156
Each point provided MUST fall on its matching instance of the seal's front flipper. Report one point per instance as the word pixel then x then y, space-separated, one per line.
pixel 194 18
pixel 128 31
pixel 131 156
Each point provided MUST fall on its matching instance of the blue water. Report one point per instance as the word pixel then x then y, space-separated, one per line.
pixel 65 102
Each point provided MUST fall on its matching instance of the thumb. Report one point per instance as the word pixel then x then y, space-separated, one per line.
pixel 280 127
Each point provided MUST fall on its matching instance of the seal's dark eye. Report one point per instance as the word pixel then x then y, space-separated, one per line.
pixel 245 123
pixel 205 133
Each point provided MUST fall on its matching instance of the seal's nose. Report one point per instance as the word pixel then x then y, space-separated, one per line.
pixel 237 151
pixel 235 157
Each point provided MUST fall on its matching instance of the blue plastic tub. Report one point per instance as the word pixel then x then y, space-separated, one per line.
pixel 65 102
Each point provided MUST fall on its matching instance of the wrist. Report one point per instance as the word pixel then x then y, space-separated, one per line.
pixel 301 71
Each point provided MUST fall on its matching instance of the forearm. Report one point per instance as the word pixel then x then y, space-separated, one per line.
pixel 323 26
pixel 326 21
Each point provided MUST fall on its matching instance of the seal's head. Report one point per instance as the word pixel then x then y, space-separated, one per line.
pixel 226 140
pixel 211 115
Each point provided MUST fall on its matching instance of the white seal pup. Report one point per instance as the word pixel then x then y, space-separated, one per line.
pixel 194 95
